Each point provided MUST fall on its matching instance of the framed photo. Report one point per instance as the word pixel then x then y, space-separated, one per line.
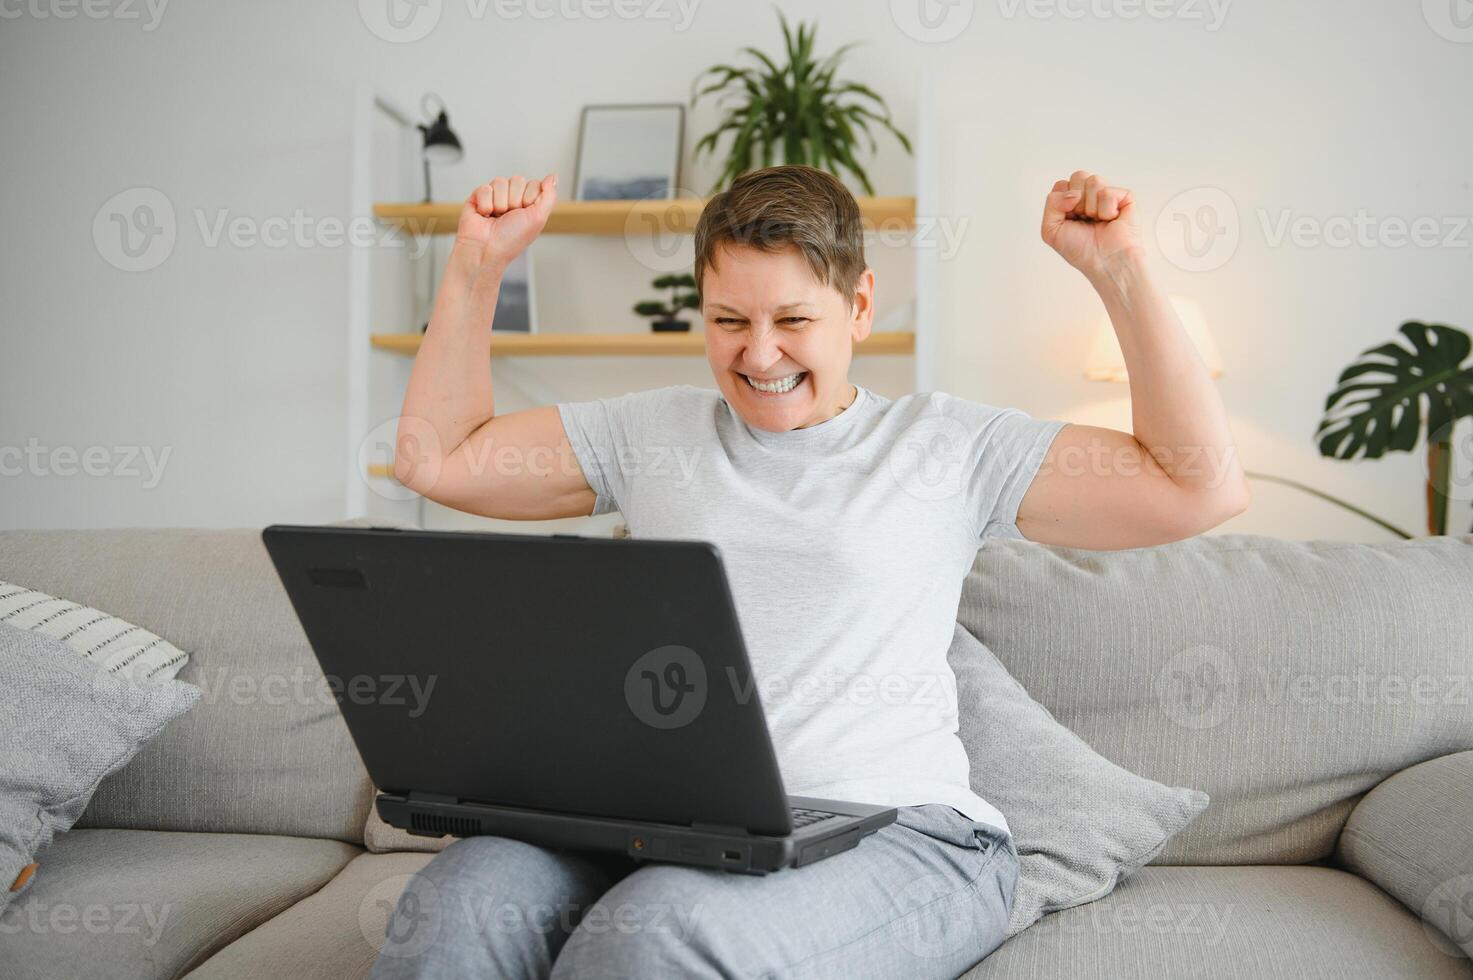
pixel 516 303
pixel 629 152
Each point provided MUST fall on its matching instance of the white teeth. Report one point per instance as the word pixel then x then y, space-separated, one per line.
pixel 779 386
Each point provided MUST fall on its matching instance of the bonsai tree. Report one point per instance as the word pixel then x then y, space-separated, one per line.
pixel 667 312
pixel 797 109
pixel 1385 399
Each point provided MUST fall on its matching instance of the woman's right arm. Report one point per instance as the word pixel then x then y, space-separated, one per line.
pixel 451 446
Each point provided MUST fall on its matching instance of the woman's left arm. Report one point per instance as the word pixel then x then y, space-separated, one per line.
pixel 1178 474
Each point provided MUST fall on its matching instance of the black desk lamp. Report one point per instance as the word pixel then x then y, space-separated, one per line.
pixel 441 145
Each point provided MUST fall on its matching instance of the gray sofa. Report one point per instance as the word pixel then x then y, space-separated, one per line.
pixel 1320 692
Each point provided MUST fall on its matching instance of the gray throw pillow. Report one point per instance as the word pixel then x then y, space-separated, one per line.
pixel 65 723
pixel 1081 824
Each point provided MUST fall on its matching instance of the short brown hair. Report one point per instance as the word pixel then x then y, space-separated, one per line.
pixel 778 207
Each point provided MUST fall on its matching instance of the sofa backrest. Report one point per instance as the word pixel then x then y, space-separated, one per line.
pixel 265 750
pixel 1283 678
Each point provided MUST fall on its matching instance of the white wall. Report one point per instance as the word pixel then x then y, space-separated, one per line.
pixel 230 358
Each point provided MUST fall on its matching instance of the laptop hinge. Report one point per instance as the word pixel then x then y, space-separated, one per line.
pixel 416 796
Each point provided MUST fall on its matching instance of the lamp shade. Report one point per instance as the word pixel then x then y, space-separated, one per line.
pixel 441 143
pixel 1107 363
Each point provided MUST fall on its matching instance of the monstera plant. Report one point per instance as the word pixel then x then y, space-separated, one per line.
pixel 1392 393
pixel 793 113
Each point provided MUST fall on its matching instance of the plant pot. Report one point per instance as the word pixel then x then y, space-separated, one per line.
pixel 670 326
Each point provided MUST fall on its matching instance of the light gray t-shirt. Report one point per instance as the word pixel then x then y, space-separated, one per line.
pixel 845 544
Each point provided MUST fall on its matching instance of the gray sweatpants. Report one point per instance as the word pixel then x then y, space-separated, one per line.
pixel 928 896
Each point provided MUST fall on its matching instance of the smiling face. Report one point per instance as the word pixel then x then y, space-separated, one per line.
pixel 770 321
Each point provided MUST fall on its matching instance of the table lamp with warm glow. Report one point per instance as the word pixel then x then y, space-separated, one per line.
pixel 1106 363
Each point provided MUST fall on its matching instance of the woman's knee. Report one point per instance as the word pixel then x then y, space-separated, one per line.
pixel 493 903
pixel 653 923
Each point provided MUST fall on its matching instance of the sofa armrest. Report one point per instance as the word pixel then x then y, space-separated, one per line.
pixel 1412 835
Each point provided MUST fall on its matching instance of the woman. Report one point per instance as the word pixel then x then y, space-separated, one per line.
pixel 847 522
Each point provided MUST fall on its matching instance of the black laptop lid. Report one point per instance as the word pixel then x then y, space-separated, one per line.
pixel 580 675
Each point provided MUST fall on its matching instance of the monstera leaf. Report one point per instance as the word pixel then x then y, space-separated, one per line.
pixel 1382 400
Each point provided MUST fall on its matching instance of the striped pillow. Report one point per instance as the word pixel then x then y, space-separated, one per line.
pixel 114 645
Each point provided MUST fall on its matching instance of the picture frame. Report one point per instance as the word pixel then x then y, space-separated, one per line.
pixel 516 303
pixel 629 151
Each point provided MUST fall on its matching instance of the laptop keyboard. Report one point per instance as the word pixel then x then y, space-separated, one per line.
pixel 802 818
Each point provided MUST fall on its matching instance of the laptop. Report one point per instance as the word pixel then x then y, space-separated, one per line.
pixel 568 691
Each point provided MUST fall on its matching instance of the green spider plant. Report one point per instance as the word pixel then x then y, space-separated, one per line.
pixel 797 110
pixel 1382 402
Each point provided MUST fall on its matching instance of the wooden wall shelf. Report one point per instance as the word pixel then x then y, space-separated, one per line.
pixel 623 217
pixel 620 344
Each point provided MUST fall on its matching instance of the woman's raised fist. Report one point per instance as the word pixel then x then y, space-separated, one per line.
pixel 502 217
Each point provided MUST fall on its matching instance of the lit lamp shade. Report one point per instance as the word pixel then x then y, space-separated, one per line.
pixel 1106 363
